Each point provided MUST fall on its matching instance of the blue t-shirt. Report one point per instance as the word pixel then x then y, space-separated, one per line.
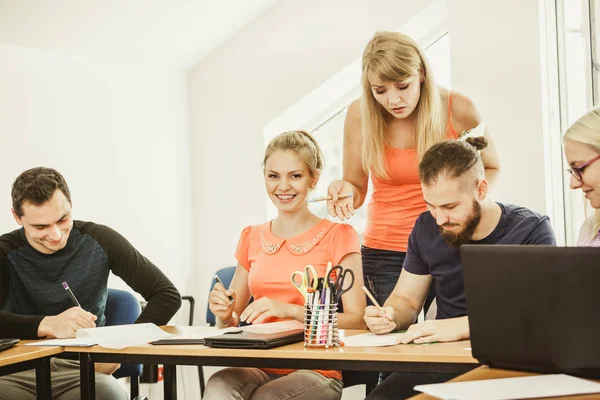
pixel 428 253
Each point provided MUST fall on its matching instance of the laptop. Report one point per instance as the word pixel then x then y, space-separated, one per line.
pixel 239 339
pixel 7 343
pixel 534 308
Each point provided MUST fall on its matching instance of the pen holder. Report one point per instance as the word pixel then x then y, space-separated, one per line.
pixel 321 325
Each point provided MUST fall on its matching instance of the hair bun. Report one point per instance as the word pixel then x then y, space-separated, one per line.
pixel 479 142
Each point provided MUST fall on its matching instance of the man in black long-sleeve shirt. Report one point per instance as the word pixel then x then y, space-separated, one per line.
pixel 51 248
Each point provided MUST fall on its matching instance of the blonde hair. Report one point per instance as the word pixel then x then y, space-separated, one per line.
pixel 394 57
pixel 303 144
pixel 586 130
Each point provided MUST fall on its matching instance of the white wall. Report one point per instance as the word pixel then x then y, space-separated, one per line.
pixel 496 60
pixel 264 69
pixel 119 135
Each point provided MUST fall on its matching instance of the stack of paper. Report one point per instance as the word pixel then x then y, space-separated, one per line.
pixel 112 337
pixel 527 387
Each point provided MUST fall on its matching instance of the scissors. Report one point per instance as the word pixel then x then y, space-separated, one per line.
pixel 337 285
pixel 308 279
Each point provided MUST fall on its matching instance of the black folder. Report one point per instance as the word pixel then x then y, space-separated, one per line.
pixel 245 340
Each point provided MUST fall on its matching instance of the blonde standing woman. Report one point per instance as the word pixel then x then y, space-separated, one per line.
pixel 582 150
pixel 401 114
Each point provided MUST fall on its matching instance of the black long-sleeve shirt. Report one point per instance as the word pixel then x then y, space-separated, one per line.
pixel 31 282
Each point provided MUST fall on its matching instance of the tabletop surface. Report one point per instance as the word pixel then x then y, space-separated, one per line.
pixel 484 372
pixel 456 352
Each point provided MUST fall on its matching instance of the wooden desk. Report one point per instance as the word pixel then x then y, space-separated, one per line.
pixel 23 358
pixel 491 373
pixel 440 357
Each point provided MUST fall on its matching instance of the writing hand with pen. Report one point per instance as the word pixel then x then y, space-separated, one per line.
pixel 66 324
pixel 221 302
pixel 379 319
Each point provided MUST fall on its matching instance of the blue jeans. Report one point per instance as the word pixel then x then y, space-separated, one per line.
pixel 381 270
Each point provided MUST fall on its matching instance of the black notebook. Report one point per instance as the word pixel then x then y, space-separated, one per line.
pixel 239 339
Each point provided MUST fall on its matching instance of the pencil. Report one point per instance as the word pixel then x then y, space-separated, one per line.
pixel 342 196
pixel 375 303
pixel 71 295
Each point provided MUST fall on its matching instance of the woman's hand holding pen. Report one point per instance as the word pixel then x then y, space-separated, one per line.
pixel 343 208
pixel 220 305
pixel 380 321
pixel 263 308
pixel 66 324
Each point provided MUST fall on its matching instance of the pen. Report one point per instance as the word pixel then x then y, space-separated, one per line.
pixel 71 295
pixel 342 196
pixel 375 303
pixel 221 282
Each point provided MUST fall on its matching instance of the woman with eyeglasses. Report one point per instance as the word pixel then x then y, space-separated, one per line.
pixel 582 149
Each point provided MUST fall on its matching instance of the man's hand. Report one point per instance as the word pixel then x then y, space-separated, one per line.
pixel 441 330
pixel 66 324
pixel 380 322
pixel 106 368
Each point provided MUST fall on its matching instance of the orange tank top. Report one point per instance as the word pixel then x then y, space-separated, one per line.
pixel 397 202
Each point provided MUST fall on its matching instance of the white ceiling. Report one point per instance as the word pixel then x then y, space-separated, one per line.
pixel 171 33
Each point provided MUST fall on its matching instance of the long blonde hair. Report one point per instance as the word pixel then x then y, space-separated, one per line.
pixel 586 130
pixel 394 57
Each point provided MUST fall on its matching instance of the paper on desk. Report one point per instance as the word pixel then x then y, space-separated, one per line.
pixel 526 387
pixel 111 337
pixel 372 340
pixel 274 327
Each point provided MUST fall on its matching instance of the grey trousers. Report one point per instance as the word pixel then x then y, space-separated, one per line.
pixel 255 384
pixel 65 383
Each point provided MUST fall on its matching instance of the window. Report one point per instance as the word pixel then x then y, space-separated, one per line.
pixel 577 91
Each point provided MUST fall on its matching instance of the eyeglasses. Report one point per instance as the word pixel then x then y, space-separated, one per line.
pixel 578 170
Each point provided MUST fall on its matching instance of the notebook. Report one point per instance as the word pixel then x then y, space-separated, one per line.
pixel 197 335
pixel 240 339
pixel 7 343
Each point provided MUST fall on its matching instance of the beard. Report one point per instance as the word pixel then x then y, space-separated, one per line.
pixel 456 239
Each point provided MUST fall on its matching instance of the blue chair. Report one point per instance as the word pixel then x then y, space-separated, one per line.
pixel 123 308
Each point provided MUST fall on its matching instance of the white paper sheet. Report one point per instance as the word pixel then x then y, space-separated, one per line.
pixel 111 337
pixel 372 340
pixel 512 388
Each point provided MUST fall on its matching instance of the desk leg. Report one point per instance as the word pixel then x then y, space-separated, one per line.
pixel 87 377
pixel 43 384
pixel 170 382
